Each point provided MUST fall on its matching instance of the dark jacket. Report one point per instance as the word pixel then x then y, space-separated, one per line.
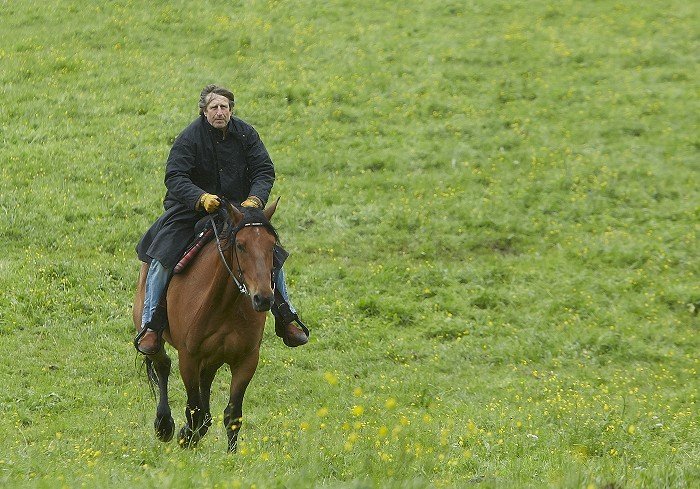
pixel 234 166
pixel 202 159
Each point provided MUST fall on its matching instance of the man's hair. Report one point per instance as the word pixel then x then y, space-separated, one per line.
pixel 207 92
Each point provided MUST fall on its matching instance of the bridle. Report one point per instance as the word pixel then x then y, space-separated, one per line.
pixel 239 281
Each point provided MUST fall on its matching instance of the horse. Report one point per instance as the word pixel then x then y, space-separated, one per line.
pixel 216 311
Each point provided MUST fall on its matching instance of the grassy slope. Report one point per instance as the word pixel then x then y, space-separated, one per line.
pixel 492 209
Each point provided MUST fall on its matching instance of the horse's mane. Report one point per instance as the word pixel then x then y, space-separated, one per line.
pixel 251 217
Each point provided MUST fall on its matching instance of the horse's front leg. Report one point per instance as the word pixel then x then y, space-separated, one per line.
pixel 233 414
pixel 158 367
pixel 206 378
pixel 196 424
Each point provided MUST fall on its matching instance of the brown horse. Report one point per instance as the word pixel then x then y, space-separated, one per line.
pixel 216 312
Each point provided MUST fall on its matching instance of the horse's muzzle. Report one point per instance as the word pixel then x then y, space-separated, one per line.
pixel 262 302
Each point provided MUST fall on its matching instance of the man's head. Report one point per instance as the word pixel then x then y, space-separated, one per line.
pixel 216 104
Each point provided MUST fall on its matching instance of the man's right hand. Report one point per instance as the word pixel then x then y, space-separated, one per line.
pixel 210 202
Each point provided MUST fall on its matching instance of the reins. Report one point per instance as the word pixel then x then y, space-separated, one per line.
pixel 241 286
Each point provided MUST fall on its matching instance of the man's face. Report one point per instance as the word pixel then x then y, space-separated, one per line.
pixel 218 111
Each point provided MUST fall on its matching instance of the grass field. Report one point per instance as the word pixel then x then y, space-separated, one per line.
pixel 492 209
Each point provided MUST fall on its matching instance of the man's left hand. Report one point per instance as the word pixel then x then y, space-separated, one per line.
pixel 252 201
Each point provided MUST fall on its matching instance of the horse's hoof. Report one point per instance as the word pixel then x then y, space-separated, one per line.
pixel 184 437
pixel 165 428
pixel 187 438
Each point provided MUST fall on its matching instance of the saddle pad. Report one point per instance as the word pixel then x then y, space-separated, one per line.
pixel 200 240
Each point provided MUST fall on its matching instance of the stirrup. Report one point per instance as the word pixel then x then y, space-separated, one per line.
pixel 285 316
pixel 302 326
pixel 142 333
pixel 138 337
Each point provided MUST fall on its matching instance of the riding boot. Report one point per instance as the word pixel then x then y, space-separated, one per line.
pixel 153 320
pixel 285 316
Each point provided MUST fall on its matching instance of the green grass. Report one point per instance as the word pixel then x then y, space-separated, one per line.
pixel 492 209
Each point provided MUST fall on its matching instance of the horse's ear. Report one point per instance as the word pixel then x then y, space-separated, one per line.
pixel 234 214
pixel 271 209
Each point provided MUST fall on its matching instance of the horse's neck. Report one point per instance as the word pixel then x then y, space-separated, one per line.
pixel 221 287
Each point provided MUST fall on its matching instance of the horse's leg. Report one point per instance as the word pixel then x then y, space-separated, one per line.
pixel 157 366
pixel 191 432
pixel 159 370
pixel 233 414
pixel 206 377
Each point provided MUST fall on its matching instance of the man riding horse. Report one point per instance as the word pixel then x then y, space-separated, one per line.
pixel 216 156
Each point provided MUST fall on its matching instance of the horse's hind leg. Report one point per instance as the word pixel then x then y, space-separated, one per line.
pixel 159 370
pixel 233 414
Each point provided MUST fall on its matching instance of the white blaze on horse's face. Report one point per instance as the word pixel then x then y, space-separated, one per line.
pixel 218 111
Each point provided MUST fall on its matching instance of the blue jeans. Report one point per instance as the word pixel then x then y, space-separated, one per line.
pixel 156 280
pixel 281 286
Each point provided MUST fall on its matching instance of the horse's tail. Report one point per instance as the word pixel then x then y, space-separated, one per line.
pixel 151 375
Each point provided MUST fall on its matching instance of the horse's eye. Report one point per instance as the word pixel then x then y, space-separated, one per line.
pixel 240 247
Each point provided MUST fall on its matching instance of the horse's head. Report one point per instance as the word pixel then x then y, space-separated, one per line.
pixel 253 240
